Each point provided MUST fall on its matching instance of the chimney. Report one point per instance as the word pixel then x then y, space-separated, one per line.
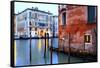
pixel 36 8
pixel 48 11
pixel 32 7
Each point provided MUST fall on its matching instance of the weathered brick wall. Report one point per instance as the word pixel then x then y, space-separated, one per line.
pixel 76 40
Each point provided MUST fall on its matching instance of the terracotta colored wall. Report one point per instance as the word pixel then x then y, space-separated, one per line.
pixel 76 40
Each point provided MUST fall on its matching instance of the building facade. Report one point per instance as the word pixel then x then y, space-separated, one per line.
pixel 55 26
pixel 40 22
pixel 74 16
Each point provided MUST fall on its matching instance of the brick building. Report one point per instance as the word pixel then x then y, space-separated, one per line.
pixel 72 28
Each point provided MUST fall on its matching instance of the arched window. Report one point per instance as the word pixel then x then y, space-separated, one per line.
pixel 64 18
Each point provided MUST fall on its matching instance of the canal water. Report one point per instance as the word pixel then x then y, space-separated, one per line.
pixel 22 53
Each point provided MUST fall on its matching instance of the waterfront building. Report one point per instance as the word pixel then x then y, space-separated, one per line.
pixel 73 19
pixel 55 26
pixel 40 22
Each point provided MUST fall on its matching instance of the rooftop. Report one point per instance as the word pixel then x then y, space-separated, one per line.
pixel 34 9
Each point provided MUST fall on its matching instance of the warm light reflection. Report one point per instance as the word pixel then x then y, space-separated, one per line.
pixel 39 44
pixel 47 43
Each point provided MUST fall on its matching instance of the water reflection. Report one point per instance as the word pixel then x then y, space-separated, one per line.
pixel 22 51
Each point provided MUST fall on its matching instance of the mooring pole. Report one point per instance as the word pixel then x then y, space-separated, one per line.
pixel 84 49
pixel 30 40
pixel 51 50
pixel 47 40
pixel 45 47
pixel 69 50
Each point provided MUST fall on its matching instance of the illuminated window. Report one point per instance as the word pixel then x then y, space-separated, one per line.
pixel 87 38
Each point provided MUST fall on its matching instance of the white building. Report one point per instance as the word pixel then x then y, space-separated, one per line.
pixel 40 20
pixel 55 25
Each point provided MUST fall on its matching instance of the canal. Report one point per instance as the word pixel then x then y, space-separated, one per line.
pixel 22 53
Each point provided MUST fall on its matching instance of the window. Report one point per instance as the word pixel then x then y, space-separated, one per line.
pixel 41 17
pixel 64 18
pixel 35 29
pixel 36 15
pixel 91 13
pixel 29 15
pixel 25 18
pixel 35 23
pixel 46 17
pixel 87 38
pixel 51 18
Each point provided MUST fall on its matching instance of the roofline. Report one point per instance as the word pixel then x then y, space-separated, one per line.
pixel 33 10
pixel 55 15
